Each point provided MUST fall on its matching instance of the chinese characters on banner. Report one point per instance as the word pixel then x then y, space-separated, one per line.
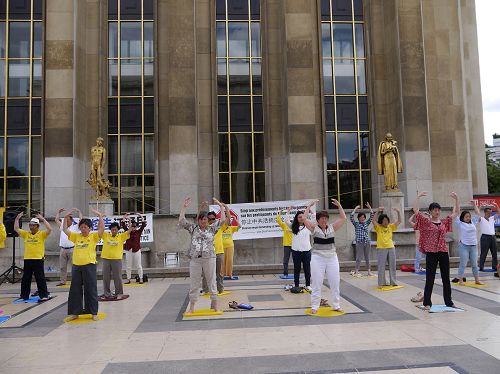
pixel 147 234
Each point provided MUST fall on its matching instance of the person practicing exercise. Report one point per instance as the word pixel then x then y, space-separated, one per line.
pixel 363 243
pixel 34 255
pixel 111 258
pixel 133 249
pixel 201 252
pixel 287 243
pixel 488 240
pixel 418 253
pixel 433 231
pixel 385 246
pixel 82 298
pixel 324 258
pixel 467 246
pixel 66 254
pixel 228 243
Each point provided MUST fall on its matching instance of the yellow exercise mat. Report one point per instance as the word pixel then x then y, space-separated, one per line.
pixel 324 311
pixel 203 313
pixel 223 293
pixel 472 284
pixel 136 284
pixel 85 318
pixel 67 285
pixel 388 288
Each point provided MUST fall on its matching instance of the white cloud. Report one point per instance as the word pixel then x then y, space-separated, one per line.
pixel 488 29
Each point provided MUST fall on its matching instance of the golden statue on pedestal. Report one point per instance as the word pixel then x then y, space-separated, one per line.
pixel 389 163
pixel 96 178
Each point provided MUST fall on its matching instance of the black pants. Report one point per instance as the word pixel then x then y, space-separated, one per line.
pixel 304 259
pixel 432 260
pixel 286 258
pixel 488 243
pixel 82 298
pixel 33 267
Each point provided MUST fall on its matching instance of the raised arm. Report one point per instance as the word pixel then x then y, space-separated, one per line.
pixel 398 213
pixel 100 225
pixel 65 228
pixel 222 211
pixel 342 217
pixel 80 215
pixel 456 207
pixel 287 219
pixel 307 222
pixel 497 212
pixel 228 216
pixel 182 213
pixel 412 222
pixel 476 208
pixel 351 216
pixel 125 219
pixel 416 203
pixel 48 228
pixel 16 222
pixel 308 208
pixel 58 216
pixel 377 214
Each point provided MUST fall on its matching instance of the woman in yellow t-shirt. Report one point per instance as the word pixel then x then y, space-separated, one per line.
pixel 385 245
pixel 84 270
pixel 228 243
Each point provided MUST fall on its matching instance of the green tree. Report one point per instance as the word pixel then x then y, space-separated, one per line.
pixel 493 170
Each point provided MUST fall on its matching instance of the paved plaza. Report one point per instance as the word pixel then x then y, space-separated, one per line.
pixel 381 332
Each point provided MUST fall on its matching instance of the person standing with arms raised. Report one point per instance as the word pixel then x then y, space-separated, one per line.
pixel 133 248
pixel 488 240
pixel 34 255
pixel 66 254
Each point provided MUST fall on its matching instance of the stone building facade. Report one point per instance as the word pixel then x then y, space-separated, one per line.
pixel 296 113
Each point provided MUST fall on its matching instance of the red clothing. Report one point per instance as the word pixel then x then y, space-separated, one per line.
pixel 432 236
pixel 134 242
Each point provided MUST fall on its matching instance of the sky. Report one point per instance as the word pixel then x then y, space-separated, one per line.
pixel 488 28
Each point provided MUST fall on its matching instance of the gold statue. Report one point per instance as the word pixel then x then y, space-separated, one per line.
pixel 96 178
pixel 389 162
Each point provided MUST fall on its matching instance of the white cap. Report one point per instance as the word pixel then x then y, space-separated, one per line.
pixel 34 221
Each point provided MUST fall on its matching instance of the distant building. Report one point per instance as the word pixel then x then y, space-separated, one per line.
pixel 494 154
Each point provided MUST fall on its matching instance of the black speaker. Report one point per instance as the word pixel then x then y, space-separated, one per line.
pixel 9 216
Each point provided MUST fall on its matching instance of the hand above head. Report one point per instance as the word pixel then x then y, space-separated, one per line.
pixel 61 210
pixel 335 202
pixel 39 216
pixel 380 209
pixel 217 201
pixel 454 196
pixel 368 206
pixel 395 209
pixel 187 201
pixel 357 207
pixel 97 212
pixel 20 215
pixel 422 194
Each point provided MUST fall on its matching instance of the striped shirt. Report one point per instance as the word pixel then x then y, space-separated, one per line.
pixel 361 229
pixel 324 241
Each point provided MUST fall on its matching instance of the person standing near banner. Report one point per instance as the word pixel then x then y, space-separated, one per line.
pixel 133 249
pixel 228 243
pixel 34 255
pixel 488 239
pixel 66 254
pixel 201 252
pixel 287 243
pixel 324 258
pixel 82 298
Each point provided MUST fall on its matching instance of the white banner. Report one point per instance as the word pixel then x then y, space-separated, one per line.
pixel 258 220
pixel 147 234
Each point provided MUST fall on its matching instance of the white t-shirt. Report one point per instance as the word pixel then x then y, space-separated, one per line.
pixel 488 225
pixel 302 241
pixel 63 239
pixel 468 231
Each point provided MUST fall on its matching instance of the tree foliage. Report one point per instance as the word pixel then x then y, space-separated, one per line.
pixel 493 170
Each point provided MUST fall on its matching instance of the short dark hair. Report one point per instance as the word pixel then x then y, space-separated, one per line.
pixel 382 217
pixel 487 209
pixel 434 206
pixel 361 215
pixel 202 215
pixel 211 214
pixel 321 214
pixel 85 221
pixel 114 224
pixel 462 215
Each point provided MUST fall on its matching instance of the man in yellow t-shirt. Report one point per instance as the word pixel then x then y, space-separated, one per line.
pixel 228 243
pixel 34 255
pixel 287 243
pixel 385 245
pixel 111 256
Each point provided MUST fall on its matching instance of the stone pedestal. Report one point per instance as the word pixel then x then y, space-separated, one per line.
pixel 106 207
pixel 391 200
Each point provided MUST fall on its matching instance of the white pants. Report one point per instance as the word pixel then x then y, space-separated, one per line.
pixel 133 259
pixel 319 266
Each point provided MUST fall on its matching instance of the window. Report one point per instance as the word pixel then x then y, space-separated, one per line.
pixel 131 105
pixel 345 102
pixel 21 45
pixel 239 86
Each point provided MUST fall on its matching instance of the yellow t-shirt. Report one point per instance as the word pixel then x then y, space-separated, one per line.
pixel 3 235
pixel 227 236
pixel 287 233
pixel 84 251
pixel 112 248
pixel 384 236
pixel 34 244
pixel 219 246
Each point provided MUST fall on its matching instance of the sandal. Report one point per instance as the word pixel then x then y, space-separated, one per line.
pixel 233 305
pixel 419 298
pixel 324 302
pixel 340 310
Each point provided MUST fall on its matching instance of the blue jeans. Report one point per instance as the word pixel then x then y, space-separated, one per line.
pixel 418 256
pixel 467 253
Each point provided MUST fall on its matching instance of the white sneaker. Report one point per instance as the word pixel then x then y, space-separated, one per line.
pixel 308 288
pixel 421 269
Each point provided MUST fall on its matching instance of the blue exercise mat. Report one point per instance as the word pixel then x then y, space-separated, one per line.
pixel 488 270
pixel 420 272
pixel 234 277
pixel 245 306
pixel 33 299
pixel 441 309
pixel 286 276
pixel 4 318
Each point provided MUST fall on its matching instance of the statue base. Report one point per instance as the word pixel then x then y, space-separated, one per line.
pixel 106 207
pixel 393 199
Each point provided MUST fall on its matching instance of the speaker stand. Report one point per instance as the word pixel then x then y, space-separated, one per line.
pixel 13 268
